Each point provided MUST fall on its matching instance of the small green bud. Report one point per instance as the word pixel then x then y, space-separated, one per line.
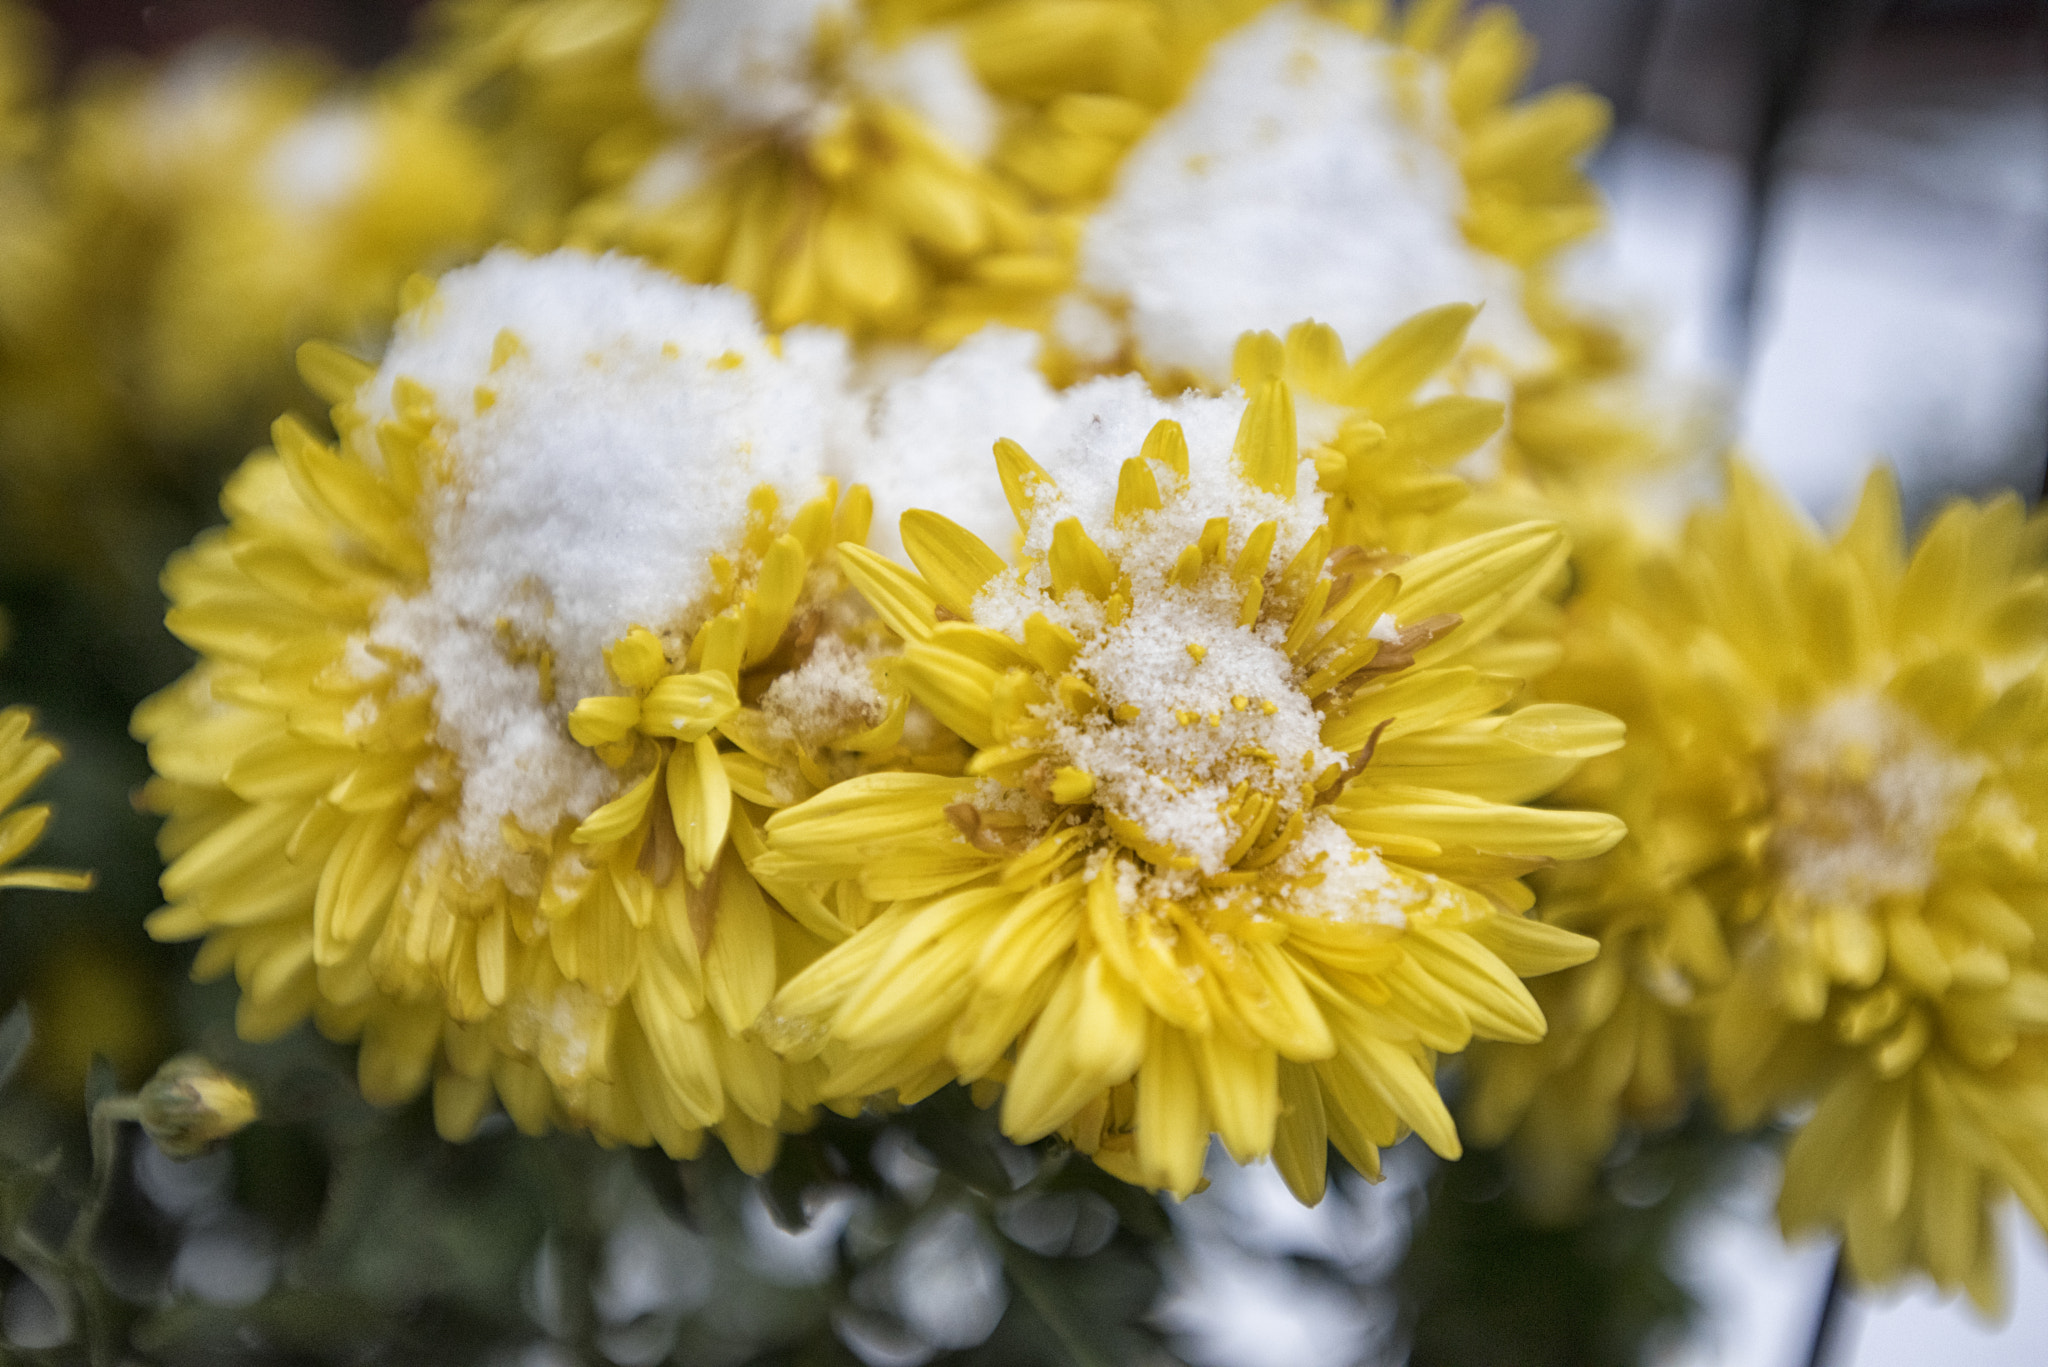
pixel 191 1105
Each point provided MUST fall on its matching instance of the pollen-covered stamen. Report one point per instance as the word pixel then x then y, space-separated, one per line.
pixel 1864 793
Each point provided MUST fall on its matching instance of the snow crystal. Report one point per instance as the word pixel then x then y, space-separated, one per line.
pixel 320 161
pixel 1324 874
pixel 830 696
pixel 1096 428
pixel 1291 184
pixel 1865 793
pixel 593 473
pixel 1216 706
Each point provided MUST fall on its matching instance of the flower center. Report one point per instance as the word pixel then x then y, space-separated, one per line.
pixel 1864 793
pixel 1202 741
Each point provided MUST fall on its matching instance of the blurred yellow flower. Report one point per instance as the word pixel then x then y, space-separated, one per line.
pixel 189 223
pixel 1329 159
pixel 1835 878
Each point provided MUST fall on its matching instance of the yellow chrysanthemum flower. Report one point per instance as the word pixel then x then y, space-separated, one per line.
pixel 493 695
pixel 139 148
pixel 24 758
pixel 1239 846
pixel 244 200
pixel 832 166
pixel 1328 161
pixel 1831 783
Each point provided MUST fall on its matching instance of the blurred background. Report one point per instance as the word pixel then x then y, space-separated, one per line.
pixel 1836 211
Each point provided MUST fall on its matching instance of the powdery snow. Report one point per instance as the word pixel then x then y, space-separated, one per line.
pixel 626 431
pixel 934 433
pixel 747 61
pixel 1324 873
pixel 748 64
pixel 1288 185
pixel 1209 717
pixel 1340 881
pixel 829 697
pixel 1202 727
pixel 1865 792
pixel 930 76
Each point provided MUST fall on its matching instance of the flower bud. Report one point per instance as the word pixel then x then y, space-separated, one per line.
pixel 191 1105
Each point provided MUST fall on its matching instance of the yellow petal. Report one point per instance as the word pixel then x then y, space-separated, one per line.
pixel 700 802
pixel 1172 1127
pixel 1267 451
pixel 602 720
pixel 954 562
pixel 1415 351
pixel 617 818
pixel 903 600
pixel 1301 1144
pixel 685 707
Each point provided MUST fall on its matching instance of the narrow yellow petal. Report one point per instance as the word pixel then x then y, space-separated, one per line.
pixel 1172 1127
pixel 618 817
pixel 1021 477
pixel 904 601
pixel 700 803
pixel 1167 444
pixel 1301 1144
pixel 954 562
pixel 1400 362
pixel 1267 451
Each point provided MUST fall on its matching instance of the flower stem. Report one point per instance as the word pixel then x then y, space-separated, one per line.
pixel 1827 1325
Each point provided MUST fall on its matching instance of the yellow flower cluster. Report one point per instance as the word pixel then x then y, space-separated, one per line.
pixel 556 733
pixel 1197 818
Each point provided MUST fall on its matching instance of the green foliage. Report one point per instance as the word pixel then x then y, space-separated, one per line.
pixel 360 1236
pixel 1483 1283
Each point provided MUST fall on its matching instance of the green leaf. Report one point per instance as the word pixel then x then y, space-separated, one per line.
pixel 1086 1339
